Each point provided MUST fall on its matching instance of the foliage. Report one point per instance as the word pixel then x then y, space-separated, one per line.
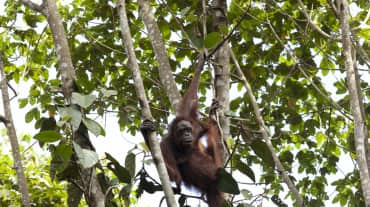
pixel 44 191
pixel 310 135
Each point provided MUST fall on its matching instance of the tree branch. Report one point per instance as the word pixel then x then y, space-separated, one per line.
pixel 3 119
pixel 333 7
pixel 8 121
pixel 179 24
pixel 265 133
pixel 164 67
pixel 363 23
pixel 363 54
pixel 146 113
pixel 34 6
pixel 228 36
pixel 313 25
pixel 295 59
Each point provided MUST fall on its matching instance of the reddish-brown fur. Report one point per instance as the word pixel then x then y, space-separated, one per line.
pixel 199 165
pixel 191 162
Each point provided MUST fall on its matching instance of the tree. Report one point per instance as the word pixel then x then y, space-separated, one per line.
pixel 86 181
pixel 289 120
pixel 8 122
pixel 140 92
pixel 356 101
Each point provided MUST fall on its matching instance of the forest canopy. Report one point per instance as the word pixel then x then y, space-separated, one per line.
pixel 291 78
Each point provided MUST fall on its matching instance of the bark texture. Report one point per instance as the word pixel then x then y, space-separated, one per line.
pixel 18 166
pixel 146 113
pixel 222 70
pixel 88 179
pixel 92 190
pixel 265 134
pixel 164 67
pixel 360 128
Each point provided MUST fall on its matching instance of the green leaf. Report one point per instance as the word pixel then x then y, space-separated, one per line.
pixel 198 41
pixel 212 39
pixel 61 156
pixel 224 29
pixel 122 173
pixel 34 92
pixel 130 163
pixel 288 61
pixel 93 126
pixel 47 124
pixel 108 93
pixel 32 20
pixel 165 29
pixel 286 156
pixel 48 136
pixel 87 158
pixel 226 183
pixel 184 11
pixel 247 194
pixel 32 114
pixel 64 151
pixel 235 104
pixel 325 65
pixel 29 116
pixel 262 151
pixel 126 193
pixel 72 114
pixel 320 138
pixel 245 169
pixel 83 100
pixel 23 102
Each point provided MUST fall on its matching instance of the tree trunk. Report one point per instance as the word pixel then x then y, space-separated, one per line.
pixel 146 113
pixel 164 67
pixel 92 190
pixel 360 128
pixel 8 121
pixel 222 70
pixel 88 179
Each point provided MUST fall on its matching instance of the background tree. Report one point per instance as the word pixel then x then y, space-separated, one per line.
pixel 7 120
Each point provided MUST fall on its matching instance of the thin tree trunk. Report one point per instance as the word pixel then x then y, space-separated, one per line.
pixel 92 190
pixel 8 121
pixel 222 71
pixel 265 134
pixel 88 179
pixel 146 113
pixel 61 48
pixel 360 128
pixel 155 36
